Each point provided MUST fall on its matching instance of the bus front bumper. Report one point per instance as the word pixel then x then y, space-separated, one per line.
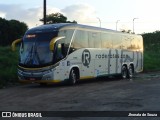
pixel 37 77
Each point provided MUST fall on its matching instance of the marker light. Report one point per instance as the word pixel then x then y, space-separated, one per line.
pixel 30 36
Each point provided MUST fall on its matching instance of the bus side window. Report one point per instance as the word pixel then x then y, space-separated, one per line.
pixel 106 40
pixel 97 40
pixel 59 54
pixel 126 42
pixel 80 39
pixel 90 40
pixel 117 41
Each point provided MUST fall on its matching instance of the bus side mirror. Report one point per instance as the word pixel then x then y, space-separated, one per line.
pixel 53 42
pixel 14 43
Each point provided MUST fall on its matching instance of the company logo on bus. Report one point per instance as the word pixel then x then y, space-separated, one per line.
pixel 86 58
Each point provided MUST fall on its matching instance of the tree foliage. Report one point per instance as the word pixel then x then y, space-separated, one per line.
pixel 56 18
pixel 152 41
pixel 151 51
pixel 11 30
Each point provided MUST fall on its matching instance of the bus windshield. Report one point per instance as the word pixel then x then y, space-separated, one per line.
pixel 34 50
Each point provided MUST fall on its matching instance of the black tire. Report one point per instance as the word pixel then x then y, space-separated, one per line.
pixel 72 77
pixel 130 72
pixel 124 72
pixel 42 84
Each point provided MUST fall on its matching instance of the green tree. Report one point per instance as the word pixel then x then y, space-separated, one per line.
pixel 56 18
pixel 152 41
pixel 11 30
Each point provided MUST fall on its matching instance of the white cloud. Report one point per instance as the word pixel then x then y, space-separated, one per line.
pixel 30 16
pixel 52 10
pixel 82 13
pixel 2 14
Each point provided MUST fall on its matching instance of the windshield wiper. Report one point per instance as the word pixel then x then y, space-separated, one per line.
pixel 29 56
pixel 35 56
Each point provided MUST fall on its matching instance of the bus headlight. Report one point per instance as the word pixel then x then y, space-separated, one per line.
pixel 48 75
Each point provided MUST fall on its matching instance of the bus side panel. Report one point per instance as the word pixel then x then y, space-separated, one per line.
pixel 128 57
pixel 101 62
pixel 88 63
pixel 118 61
pixel 61 72
pixel 138 61
pixel 81 59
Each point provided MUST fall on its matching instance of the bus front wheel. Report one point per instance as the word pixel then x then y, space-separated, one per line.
pixel 42 84
pixel 72 77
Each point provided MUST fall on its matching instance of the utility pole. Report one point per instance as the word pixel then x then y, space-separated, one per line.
pixel 133 24
pixel 99 21
pixel 44 12
pixel 117 24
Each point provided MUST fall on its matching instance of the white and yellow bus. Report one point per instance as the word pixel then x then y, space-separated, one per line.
pixel 71 52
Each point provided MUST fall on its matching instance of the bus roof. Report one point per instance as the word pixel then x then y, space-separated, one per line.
pixel 57 26
pixel 48 28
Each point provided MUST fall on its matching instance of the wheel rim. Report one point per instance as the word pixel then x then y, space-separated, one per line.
pixel 130 72
pixel 73 77
pixel 124 72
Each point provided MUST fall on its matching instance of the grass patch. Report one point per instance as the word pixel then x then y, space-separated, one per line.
pixel 151 61
pixel 8 66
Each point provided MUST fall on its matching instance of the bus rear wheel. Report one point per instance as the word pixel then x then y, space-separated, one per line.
pixel 72 77
pixel 130 72
pixel 124 72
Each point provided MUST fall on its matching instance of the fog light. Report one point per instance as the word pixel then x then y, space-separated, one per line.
pixel 47 78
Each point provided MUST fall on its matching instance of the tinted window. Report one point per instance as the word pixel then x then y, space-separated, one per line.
pixel 65 41
pixel 97 39
pixel 35 50
pixel 94 40
pixel 91 40
pixel 80 39
pixel 116 40
pixel 126 42
pixel 106 40
pixel 138 43
pixel 68 35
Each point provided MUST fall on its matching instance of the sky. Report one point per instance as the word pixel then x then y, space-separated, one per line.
pixel 89 12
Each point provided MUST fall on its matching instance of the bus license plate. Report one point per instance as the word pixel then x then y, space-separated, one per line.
pixel 32 79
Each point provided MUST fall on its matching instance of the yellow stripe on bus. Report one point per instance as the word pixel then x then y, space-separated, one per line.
pixel 33 68
pixel 40 81
pixel 87 77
